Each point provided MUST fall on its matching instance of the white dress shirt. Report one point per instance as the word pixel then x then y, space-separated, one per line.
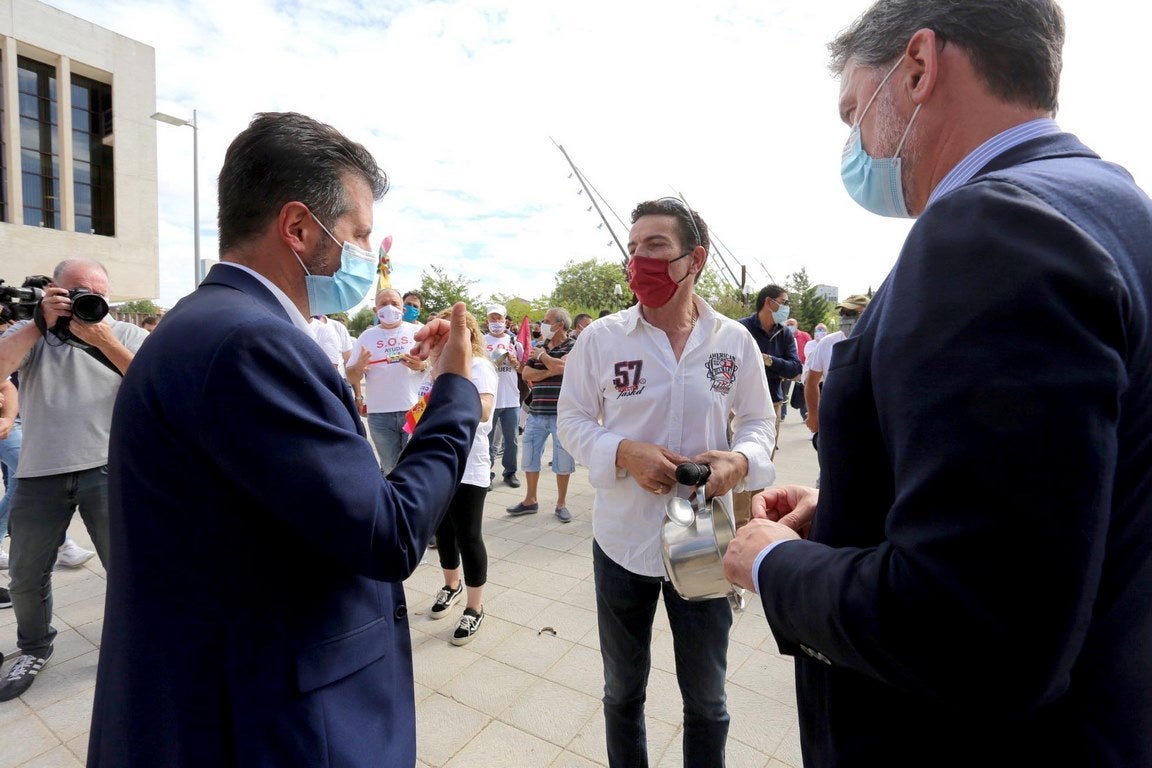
pixel 622 381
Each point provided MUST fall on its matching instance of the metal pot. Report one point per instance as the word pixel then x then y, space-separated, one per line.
pixel 693 541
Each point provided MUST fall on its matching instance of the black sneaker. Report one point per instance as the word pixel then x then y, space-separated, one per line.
pixel 21 675
pixel 445 599
pixel 5 598
pixel 468 627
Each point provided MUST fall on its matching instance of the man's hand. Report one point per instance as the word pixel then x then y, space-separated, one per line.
pixel 355 371
pixel 813 420
pixel 55 305
pixel 450 341
pixel 793 506
pixel 414 363
pixel 728 469
pixel 6 427
pixel 653 467
pixel 746 547
pixel 97 334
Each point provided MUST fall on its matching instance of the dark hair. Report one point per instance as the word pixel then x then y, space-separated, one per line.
pixel 605 312
pixel 1015 45
pixel 688 221
pixel 770 291
pixel 413 293
pixel 283 157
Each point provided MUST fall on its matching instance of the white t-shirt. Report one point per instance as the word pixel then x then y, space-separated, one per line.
pixel 390 386
pixel 623 381
pixel 333 338
pixel 498 348
pixel 821 357
pixel 478 465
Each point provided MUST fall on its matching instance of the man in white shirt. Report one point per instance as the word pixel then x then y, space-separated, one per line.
pixel 850 310
pixel 333 338
pixel 504 351
pixel 645 390
pixel 391 376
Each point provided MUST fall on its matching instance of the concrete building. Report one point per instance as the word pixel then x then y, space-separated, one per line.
pixel 829 292
pixel 77 164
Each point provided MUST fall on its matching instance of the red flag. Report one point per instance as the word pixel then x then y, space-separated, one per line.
pixel 524 336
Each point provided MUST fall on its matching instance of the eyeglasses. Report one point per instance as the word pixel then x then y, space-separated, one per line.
pixel 849 312
pixel 783 303
pixel 678 203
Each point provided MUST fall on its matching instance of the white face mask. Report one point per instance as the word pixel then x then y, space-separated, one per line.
pixel 495 328
pixel 389 315
pixel 547 331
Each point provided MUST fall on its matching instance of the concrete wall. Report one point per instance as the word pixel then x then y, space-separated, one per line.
pixel 38 31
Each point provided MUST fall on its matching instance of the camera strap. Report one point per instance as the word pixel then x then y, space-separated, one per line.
pixel 65 336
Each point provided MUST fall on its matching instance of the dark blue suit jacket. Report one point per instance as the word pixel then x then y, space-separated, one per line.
pixel 977 588
pixel 255 613
pixel 780 345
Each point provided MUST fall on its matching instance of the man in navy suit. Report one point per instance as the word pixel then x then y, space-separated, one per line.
pixel 975 585
pixel 234 435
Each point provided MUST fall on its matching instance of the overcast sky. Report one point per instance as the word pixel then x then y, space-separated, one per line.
pixel 728 102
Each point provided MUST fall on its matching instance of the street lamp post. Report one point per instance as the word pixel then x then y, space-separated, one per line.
pixel 179 121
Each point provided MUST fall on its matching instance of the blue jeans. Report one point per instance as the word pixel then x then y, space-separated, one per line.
pixel 507 422
pixel 10 458
pixel 625 607
pixel 389 437
pixel 536 432
pixel 41 511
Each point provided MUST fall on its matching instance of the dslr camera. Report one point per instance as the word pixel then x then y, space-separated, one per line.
pixel 23 303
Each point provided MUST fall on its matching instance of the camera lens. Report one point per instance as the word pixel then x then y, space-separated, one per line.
pixel 87 306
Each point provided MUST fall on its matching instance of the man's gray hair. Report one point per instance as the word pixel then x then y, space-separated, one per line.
pixel 562 315
pixel 1015 46
pixel 68 264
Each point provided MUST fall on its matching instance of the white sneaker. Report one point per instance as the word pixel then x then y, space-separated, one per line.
pixel 70 555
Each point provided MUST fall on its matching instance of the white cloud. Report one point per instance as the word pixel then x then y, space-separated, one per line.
pixel 730 103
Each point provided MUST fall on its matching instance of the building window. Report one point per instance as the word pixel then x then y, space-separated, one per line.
pixel 92 156
pixel 39 153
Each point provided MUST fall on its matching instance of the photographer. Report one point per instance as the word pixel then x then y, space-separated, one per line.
pixel 66 398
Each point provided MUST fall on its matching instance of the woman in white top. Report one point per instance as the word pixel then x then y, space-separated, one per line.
pixel 459 539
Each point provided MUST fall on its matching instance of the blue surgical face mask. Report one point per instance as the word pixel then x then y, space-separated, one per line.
pixel 347 287
pixel 875 183
pixel 780 315
pixel 410 313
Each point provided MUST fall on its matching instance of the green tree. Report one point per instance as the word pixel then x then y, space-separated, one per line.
pixel 808 307
pixel 441 291
pixel 361 321
pixel 721 295
pixel 139 307
pixel 589 286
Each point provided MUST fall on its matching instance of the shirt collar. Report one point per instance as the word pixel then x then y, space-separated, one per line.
pixel 964 170
pixel 294 315
pixel 633 319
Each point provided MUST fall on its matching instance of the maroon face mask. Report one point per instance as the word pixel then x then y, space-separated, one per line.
pixel 649 280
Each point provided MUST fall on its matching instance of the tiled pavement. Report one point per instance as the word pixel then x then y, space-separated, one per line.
pixel 518 695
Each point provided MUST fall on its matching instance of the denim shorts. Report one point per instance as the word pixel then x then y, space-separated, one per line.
pixel 536 432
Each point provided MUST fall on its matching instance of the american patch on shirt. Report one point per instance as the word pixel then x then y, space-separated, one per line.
pixel 721 371
pixel 627 379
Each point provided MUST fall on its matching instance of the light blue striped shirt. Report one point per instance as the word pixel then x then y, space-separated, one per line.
pixel 964 170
